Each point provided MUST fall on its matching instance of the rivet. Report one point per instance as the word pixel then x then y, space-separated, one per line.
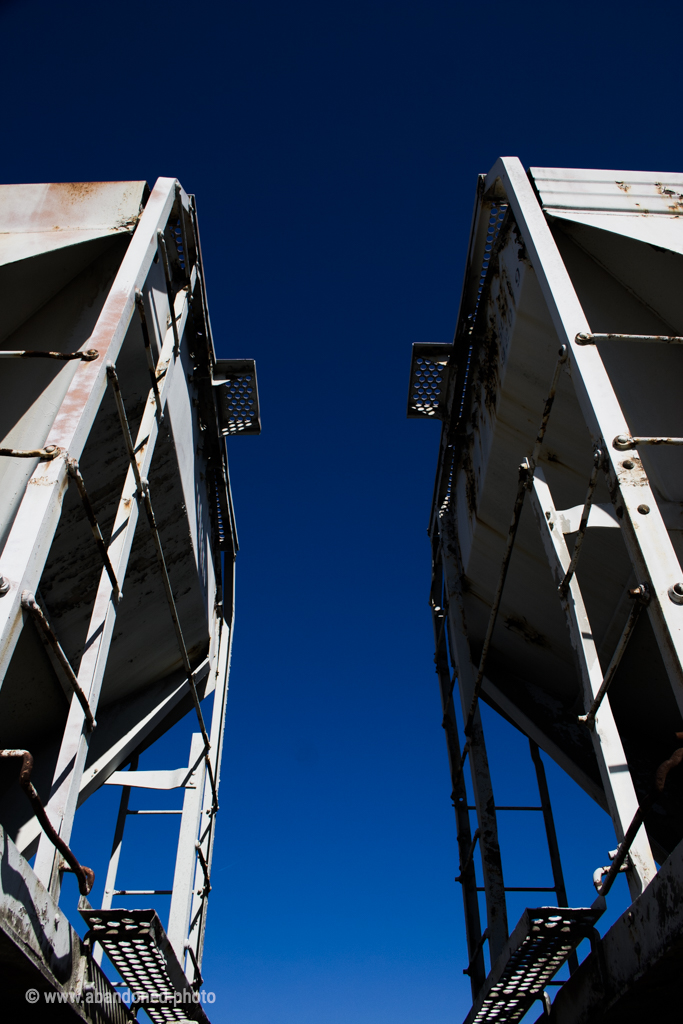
pixel 676 593
pixel 643 509
pixel 628 464
pixel 4 586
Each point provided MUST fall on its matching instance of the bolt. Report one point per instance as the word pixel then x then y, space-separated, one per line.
pixel 676 593
pixel 622 442
pixel 50 447
pixel 643 509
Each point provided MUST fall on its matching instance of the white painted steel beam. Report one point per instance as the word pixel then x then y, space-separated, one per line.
pixel 186 857
pixel 197 921
pixel 614 771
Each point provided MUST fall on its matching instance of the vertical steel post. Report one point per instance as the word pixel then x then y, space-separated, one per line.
pixel 183 879
pixel 115 856
pixel 467 877
pixel 492 867
pixel 551 835
pixel 197 927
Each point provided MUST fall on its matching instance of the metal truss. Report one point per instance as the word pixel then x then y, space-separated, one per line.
pixel 168 209
pixel 437 385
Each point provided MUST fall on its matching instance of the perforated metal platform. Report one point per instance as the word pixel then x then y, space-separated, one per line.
pixel 538 947
pixel 137 945
pixel 428 379
pixel 237 394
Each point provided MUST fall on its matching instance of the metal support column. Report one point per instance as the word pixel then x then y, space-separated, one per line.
pixel 476 967
pixel 183 879
pixel 496 910
pixel 551 835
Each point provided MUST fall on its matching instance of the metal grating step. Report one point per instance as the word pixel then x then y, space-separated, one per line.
pixel 538 947
pixel 236 391
pixel 428 379
pixel 138 947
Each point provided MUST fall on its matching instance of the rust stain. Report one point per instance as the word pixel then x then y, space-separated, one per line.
pixel 470 482
pixel 521 627
pixel 669 193
pixel 80 189
pixel 623 186
pixel 86 374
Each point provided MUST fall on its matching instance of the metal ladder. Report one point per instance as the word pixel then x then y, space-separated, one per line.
pixel 467 842
pixel 179 947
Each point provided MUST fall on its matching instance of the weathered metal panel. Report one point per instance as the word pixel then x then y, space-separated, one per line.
pixel 128 567
pixel 562 396
pixel 634 971
pixel 643 205
pixel 42 954
pixel 36 219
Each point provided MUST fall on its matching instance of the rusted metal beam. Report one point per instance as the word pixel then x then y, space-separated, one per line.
pixel 85 876
pixel 86 354
pixel 29 602
pixel 589 338
pixel 75 474
pixel 140 306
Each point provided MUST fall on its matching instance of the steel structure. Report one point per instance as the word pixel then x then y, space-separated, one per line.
pixel 117 548
pixel 557 591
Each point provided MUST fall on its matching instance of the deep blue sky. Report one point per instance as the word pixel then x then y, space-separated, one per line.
pixel 333 149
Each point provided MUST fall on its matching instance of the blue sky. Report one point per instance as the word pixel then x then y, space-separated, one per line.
pixel 333 149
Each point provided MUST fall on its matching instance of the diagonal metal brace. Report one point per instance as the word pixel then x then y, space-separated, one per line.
pixel 526 476
pixel 145 497
pixel 205 869
pixel 583 525
pixel 85 876
pixel 140 306
pixel 29 602
pixel 75 474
